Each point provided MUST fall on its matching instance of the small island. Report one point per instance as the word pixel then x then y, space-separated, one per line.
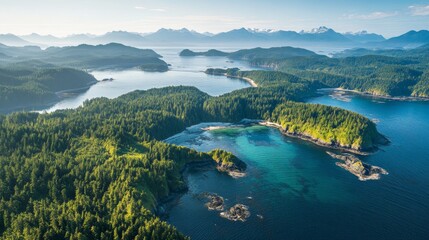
pixel 216 202
pixel 106 80
pixel 239 212
pixel 209 53
pixel 358 168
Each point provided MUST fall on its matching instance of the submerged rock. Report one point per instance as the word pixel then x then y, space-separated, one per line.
pixel 239 212
pixel 358 168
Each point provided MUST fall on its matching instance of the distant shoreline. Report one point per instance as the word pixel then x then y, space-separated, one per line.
pixel 367 94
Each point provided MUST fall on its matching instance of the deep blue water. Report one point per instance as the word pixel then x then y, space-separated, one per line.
pixel 302 194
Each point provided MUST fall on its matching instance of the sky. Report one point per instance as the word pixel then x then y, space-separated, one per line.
pixel 65 17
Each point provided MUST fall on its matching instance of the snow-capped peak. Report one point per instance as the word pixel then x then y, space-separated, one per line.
pixel 318 30
pixel 258 30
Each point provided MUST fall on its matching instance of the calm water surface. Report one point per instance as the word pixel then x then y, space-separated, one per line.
pixel 186 71
pixel 302 194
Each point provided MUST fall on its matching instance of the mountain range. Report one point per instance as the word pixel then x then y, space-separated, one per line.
pixel 323 35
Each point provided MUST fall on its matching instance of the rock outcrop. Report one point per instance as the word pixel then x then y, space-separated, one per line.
pixel 358 168
pixel 239 212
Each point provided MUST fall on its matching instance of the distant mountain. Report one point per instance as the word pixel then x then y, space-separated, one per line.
pixel 76 39
pixel 44 39
pixel 409 39
pixel 241 34
pixel 323 34
pixel 12 51
pixel 119 37
pixel 208 34
pixel 12 40
pixel 250 37
pixel 364 37
pixel 285 35
pixel 170 35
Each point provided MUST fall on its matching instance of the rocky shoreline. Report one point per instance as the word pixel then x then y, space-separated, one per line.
pixel 316 141
pixel 216 202
pixel 358 168
pixel 298 136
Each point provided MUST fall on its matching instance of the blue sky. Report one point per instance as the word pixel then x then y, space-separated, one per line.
pixel 61 17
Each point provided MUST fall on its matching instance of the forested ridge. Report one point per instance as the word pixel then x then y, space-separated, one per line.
pixel 101 57
pixel 389 73
pixel 377 75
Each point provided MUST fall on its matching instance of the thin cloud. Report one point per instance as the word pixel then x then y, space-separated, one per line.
pixel 372 16
pixel 150 9
pixel 157 10
pixel 421 10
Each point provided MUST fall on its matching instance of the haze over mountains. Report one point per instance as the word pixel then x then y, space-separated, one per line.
pixel 321 35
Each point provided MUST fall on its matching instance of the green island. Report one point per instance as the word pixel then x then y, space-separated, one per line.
pixel 89 57
pixel 249 54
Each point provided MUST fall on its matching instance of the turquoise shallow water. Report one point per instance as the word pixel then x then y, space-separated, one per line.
pixel 302 194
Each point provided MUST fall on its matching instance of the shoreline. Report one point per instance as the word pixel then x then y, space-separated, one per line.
pixel 367 94
pixel 76 90
pixel 164 205
pixel 315 141
pixel 41 107
pixel 248 80
pixel 297 136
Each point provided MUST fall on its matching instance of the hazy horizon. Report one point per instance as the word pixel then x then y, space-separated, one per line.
pixel 64 18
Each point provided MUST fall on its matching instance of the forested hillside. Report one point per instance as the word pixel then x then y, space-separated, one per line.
pixel 389 73
pixel 28 86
